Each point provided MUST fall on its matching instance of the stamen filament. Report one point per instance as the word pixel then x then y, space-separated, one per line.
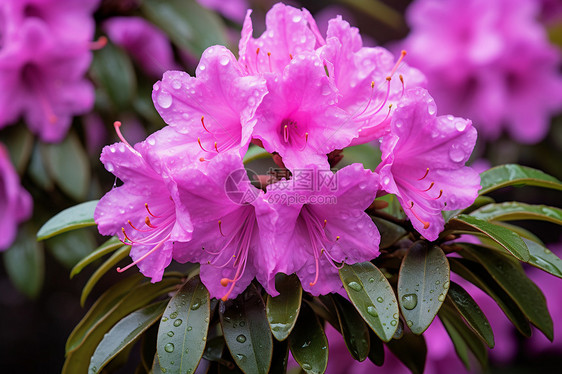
pixel 203 123
pixel 402 55
pixel 425 175
pixel 425 223
pixel 119 270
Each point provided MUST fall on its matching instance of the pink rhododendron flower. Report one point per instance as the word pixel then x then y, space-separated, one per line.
pixel 423 162
pixel 218 105
pixel 15 202
pixel 42 64
pixel 146 43
pixel 322 221
pixel 471 54
pixel 233 227
pixel 144 212
pixel 298 117
pixel 233 9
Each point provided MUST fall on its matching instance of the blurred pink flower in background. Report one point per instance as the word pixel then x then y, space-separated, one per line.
pixel 15 202
pixel 489 61
pixel 233 9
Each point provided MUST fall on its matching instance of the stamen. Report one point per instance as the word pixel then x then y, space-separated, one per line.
pixel 286 133
pixel 200 145
pixel 220 227
pixel 131 224
pixel 290 56
pixel 117 125
pixel 203 123
pixel 119 270
pixel 317 270
pixel 149 224
pixel 425 175
pixel 269 60
pixel 425 223
pixel 325 223
pixel 440 194
pixel 326 70
pixel 202 159
pixel 98 44
pixel 402 55
pixel 402 81
pixel 337 238
pixel 430 187
pixel 126 237
pixel 149 212
pixel 216 148
pixel 257 56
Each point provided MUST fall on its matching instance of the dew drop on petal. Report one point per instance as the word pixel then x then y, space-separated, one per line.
pixel 176 84
pixel 224 60
pixel 460 125
pixel 456 154
pixel 297 18
pixel 164 99
pixel 109 167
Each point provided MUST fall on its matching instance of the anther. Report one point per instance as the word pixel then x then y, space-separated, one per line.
pixel 225 282
pixel 290 56
pixel 98 44
pixel 216 148
pixel 286 133
pixel 117 125
pixel 425 223
pixel 325 223
pixel 125 234
pixel 202 159
pixel 148 223
pixel 337 238
pixel 269 61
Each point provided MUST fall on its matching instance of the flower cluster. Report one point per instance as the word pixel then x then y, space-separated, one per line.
pixel 490 61
pixel 44 53
pixel 301 96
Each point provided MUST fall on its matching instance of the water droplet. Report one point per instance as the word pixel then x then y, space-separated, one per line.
pixel 297 18
pixel 380 299
pixel 173 315
pixel 372 311
pixel 170 333
pixel 240 356
pixel 441 297
pixel 201 67
pixel 177 322
pixel 456 154
pixel 242 323
pixel 460 125
pixel 189 328
pixel 431 107
pixel 241 339
pixel 164 319
pixel 371 280
pixel 306 366
pixel 437 282
pixel 163 369
pixel 446 285
pixel 151 141
pixel 176 84
pixel 409 323
pixel 409 301
pixel 164 99
pixel 398 124
pixel 395 316
pixel 169 347
pixel 355 286
pixel 386 181
pixel 195 306
pixel 224 60
pixel 109 167
pixel 393 322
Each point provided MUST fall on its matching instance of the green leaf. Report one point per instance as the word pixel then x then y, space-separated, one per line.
pixel 77 360
pixel 255 153
pixel 511 211
pixel 37 169
pixel 477 275
pixel 186 23
pixel 354 330
pixel 125 333
pixel 390 232
pixel 182 334
pixel 104 268
pixel 246 331
pixel 423 283
pixel 471 312
pixel 479 202
pixel 543 258
pixel 25 262
pixel 506 238
pixel 376 351
pixel 70 247
pixel 308 343
pixel 373 297
pixel 282 311
pixel 463 337
pixel 19 141
pixel 109 246
pixel 113 71
pixel 81 215
pixel 365 154
pixel 394 208
pixel 523 233
pixel 67 162
pixel 280 357
pixel 510 276
pixel 516 175
pixel 411 350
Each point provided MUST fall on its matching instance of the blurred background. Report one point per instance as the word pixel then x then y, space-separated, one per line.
pixel 70 68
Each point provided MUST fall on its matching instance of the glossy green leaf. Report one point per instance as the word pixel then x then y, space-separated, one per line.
pixel 463 337
pixel 19 141
pixel 394 208
pixel 477 275
pixel 516 175
pixel 255 153
pixel 510 276
pixel 77 360
pixel 390 232
pixel 308 343
pixel 186 23
pixel 148 347
pixel 543 258
pixel 506 238
pixel 471 312
pixel 25 263
pixel 100 308
pixel 109 246
pixel 411 350
pixel 511 211
pixel 246 331
pixel 124 334
pixel 373 297
pixel 113 71
pixel 376 349
pixel 365 154
pixel 282 311
pixel 81 215
pixel 324 309
pixel 280 357
pixel 37 169
pixel 354 330
pixel 523 233
pixel 67 162
pixel 70 247
pixel 423 283
pixel 182 334
pixel 479 202
pixel 109 264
